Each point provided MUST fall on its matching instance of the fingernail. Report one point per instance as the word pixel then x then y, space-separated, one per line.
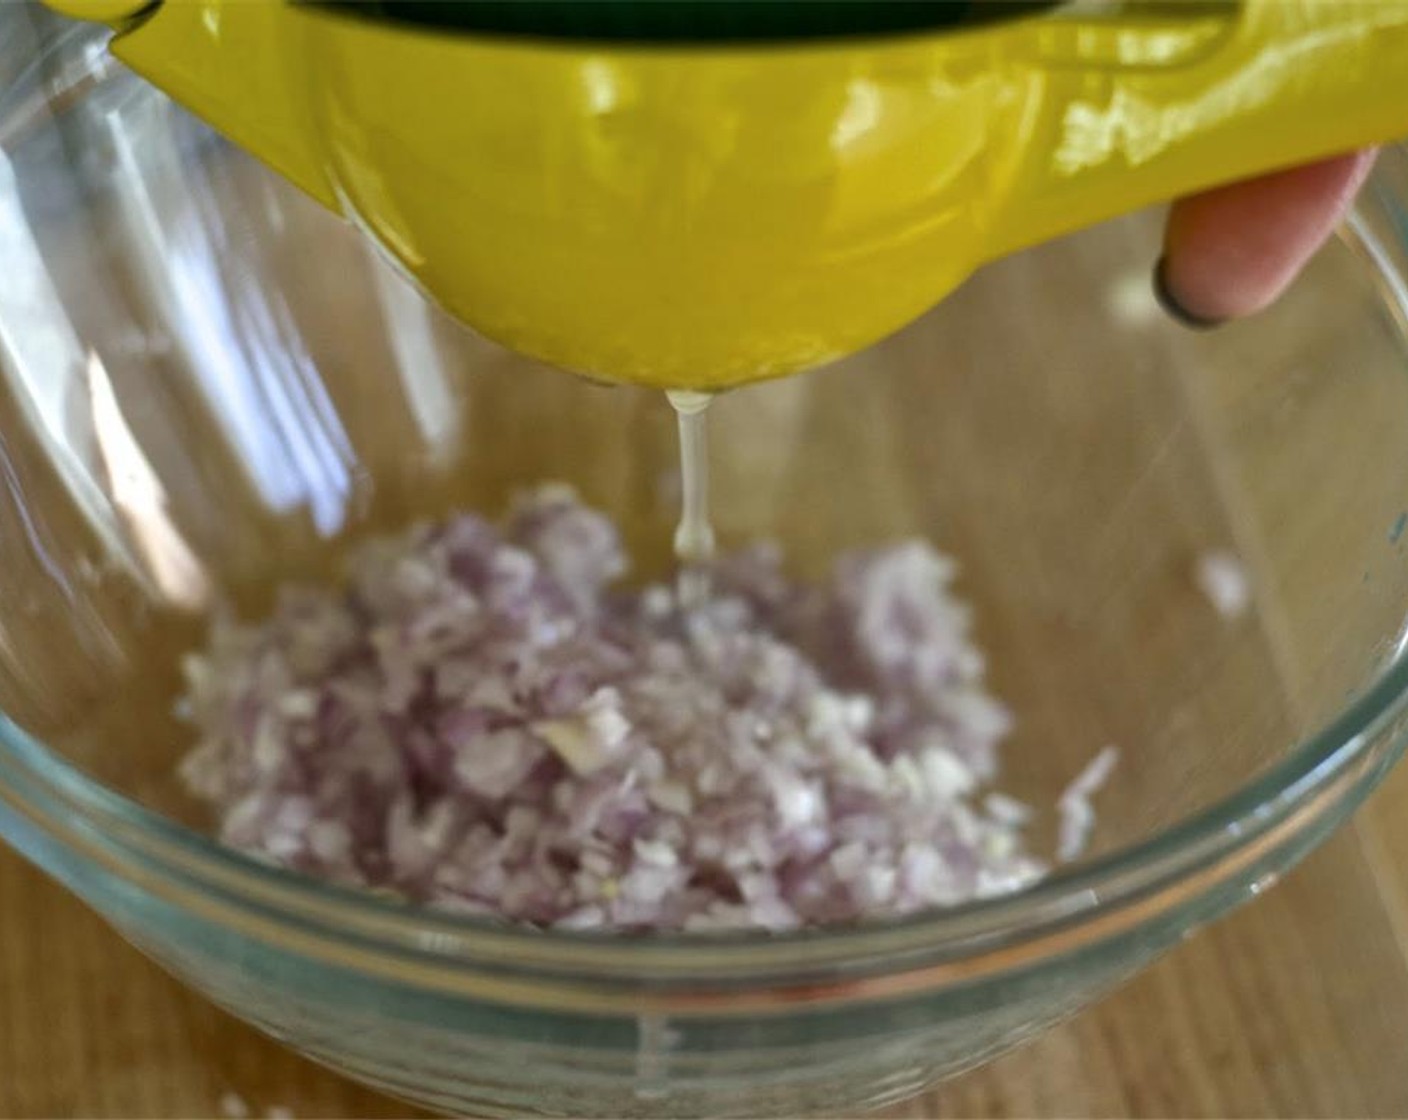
pixel 1169 302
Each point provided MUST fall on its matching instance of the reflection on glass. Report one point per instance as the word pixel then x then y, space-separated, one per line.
pixel 141 500
pixel 44 367
pixel 248 360
pixel 419 360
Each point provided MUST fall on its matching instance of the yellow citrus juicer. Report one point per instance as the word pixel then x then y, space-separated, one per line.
pixel 696 194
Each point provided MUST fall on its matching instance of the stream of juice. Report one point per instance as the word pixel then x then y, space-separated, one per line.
pixel 694 536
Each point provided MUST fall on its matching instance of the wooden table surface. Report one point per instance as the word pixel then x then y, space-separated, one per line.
pixel 1297 1005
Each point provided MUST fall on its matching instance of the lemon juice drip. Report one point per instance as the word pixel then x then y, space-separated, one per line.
pixel 694 536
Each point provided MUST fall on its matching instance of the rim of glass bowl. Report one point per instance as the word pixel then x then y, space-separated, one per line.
pixel 1071 910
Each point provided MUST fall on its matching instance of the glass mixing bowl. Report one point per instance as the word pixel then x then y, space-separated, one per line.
pixel 208 384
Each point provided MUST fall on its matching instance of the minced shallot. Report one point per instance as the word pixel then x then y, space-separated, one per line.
pixel 484 720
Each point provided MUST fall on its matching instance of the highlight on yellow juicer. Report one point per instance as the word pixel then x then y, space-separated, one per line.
pixel 685 193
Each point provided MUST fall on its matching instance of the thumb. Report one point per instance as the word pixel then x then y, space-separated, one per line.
pixel 1233 250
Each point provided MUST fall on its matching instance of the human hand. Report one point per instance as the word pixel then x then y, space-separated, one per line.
pixel 1231 251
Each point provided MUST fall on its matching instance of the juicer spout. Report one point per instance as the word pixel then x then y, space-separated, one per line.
pixel 228 62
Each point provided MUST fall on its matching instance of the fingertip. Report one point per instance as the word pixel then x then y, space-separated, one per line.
pixel 1232 251
pixel 1173 306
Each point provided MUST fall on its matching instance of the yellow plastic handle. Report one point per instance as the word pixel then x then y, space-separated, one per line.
pixel 1284 81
